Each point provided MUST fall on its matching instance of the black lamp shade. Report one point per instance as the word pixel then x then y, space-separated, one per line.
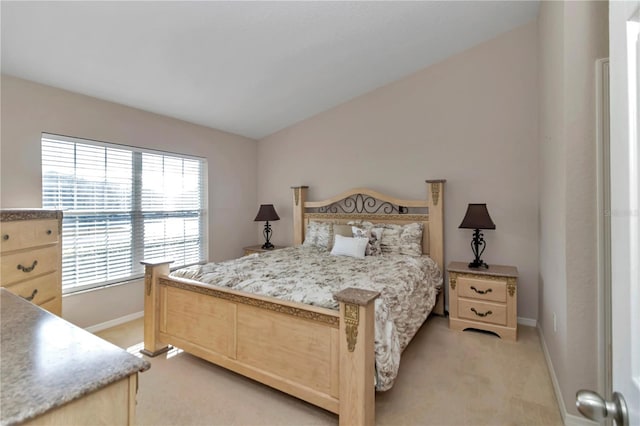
pixel 477 217
pixel 266 213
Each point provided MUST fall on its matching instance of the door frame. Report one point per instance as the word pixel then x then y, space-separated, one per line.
pixel 605 374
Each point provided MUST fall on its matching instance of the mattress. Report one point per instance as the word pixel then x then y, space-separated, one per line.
pixel 306 274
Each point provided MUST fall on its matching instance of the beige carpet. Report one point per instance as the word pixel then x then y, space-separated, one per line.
pixel 446 378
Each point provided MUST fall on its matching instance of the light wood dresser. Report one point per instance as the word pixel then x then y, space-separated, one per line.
pixel 484 299
pixel 30 254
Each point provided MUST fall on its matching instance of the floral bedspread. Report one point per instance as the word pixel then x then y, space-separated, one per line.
pixel 306 274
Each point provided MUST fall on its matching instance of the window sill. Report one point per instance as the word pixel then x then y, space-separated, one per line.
pixel 103 287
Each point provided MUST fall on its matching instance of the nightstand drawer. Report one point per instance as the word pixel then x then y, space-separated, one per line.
pixel 483 289
pixel 493 313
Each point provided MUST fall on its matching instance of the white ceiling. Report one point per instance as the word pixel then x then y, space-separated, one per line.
pixel 250 68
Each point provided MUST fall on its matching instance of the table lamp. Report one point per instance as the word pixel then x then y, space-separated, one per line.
pixel 265 214
pixel 477 218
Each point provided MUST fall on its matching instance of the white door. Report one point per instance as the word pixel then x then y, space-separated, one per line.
pixel 625 193
pixel 624 92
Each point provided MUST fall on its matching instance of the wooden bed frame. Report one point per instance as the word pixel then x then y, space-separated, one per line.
pixel 319 355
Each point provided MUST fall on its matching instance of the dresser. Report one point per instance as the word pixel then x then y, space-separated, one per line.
pixel 54 373
pixel 30 256
pixel 484 299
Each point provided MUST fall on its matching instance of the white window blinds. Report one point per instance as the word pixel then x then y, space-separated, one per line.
pixel 122 205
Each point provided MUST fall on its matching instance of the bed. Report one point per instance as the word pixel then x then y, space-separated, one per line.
pixel 319 347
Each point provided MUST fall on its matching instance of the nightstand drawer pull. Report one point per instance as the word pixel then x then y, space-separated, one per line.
pixel 480 314
pixel 5 237
pixel 481 291
pixel 30 298
pixel 28 268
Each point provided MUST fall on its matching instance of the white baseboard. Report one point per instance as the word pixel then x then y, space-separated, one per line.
pixel 114 322
pixel 567 418
pixel 527 321
pixel 573 420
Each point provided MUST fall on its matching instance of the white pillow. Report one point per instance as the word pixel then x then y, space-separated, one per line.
pixel 344 230
pixel 347 246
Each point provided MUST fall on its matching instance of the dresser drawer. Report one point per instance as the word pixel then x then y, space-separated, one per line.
pixel 54 306
pixel 493 313
pixel 483 289
pixel 25 265
pixel 21 234
pixel 43 288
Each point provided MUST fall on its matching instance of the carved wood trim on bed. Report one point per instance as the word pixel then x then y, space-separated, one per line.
pixel 318 315
pixel 322 356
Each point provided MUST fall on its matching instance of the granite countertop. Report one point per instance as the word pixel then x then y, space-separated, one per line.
pixel 47 362
pixel 7 215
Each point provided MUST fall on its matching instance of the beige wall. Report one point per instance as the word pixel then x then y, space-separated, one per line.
pixel 553 288
pixel 471 119
pixel 28 109
pixel 572 35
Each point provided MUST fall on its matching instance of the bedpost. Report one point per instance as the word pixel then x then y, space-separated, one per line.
pixel 152 271
pixel 299 198
pixel 357 356
pixel 435 197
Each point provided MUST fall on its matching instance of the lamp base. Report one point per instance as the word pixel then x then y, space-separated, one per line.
pixel 477 246
pixel 267 236
pixel 477 264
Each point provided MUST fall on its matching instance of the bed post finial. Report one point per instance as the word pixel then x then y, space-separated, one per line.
pixel 436 186
pixel 299 198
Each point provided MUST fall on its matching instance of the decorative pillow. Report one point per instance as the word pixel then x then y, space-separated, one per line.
pixel 344 230
pixel 347 246
pixel 373 236
pixel 360 224
pixel 319 234
pixel 402 239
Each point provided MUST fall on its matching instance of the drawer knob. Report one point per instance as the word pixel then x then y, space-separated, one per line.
pixel 5 237
pixel 49 232
pixel 30 298
pixel 481 291
pixel 480 314
pixel 28 268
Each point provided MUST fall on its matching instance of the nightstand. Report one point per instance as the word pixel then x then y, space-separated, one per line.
pixel 258 249
pixel 484 299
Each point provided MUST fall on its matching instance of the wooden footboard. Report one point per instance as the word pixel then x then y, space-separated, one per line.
pixel 319 355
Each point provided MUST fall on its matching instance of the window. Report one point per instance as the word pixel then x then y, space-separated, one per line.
pixel 122 205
